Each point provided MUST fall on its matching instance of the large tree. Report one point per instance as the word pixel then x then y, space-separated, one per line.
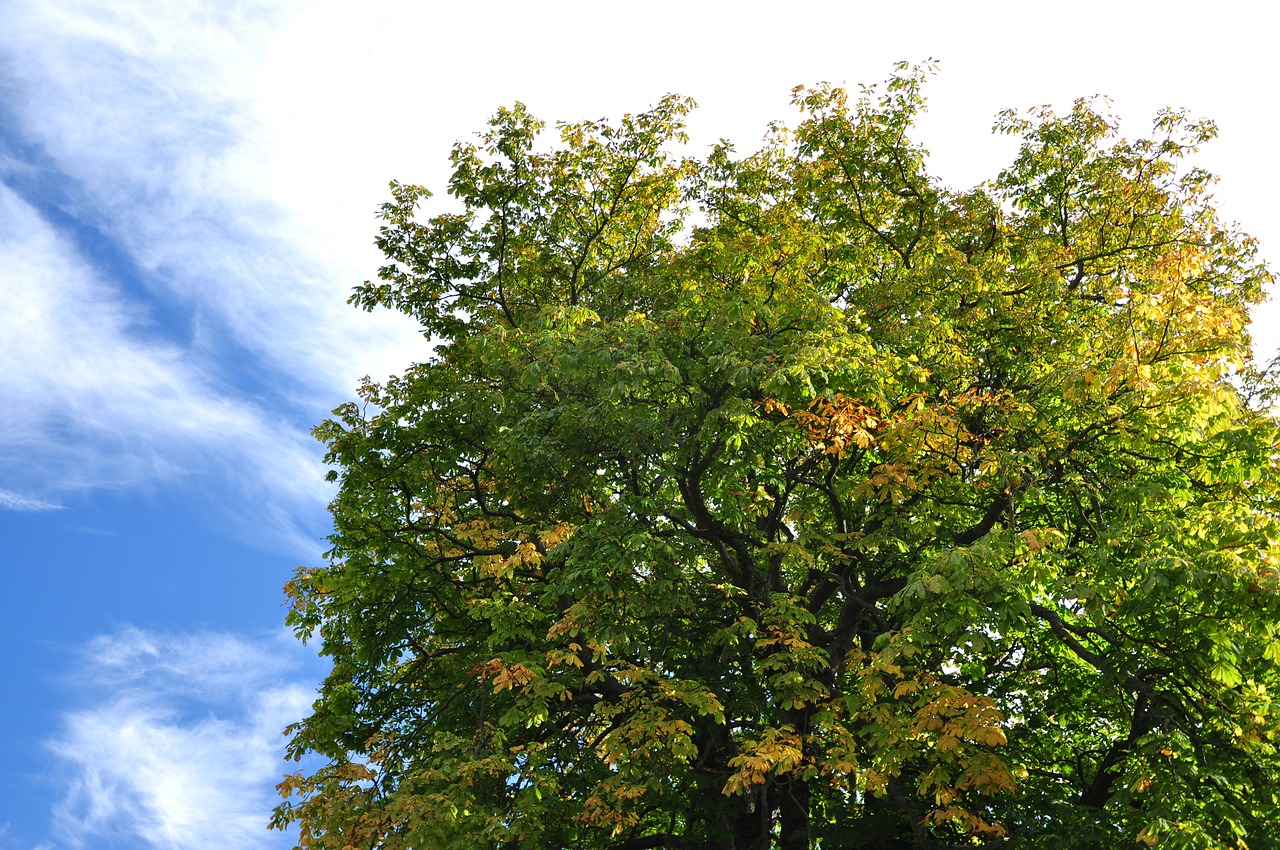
pixel 794 500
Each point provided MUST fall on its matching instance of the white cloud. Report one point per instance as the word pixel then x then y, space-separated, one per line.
pixel 212 331
pixel 180 746
pixel 151 110
pixel 15 502
pixel 104 402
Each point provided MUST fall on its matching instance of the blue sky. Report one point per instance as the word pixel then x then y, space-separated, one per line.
pixel 187 193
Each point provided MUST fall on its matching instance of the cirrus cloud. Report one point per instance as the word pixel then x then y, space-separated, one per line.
pixel 179 746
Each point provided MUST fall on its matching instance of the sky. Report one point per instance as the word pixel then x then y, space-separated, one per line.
pixel 187 197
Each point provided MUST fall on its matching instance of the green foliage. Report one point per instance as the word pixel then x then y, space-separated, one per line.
pixel 794 500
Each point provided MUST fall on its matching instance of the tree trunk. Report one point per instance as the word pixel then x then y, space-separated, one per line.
pixel 793 814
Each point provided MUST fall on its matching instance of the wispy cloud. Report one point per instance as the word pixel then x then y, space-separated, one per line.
pixel 155 115
pixel 104 403
pixel 15 502
pixel 180 745
pixel 170 317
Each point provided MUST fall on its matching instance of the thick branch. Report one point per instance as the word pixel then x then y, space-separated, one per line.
pixel 1002 503
pixel 1063 632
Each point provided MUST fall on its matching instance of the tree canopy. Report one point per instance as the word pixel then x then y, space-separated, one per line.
pixel 793 500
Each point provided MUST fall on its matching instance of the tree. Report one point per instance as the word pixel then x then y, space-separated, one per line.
pixel 793 500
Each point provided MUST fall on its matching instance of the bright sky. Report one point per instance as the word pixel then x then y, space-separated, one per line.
pixel 187 193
